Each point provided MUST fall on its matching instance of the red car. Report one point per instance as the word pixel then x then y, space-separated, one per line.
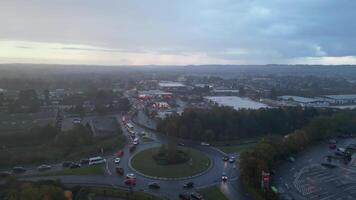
pixel 120 153
pixel 130 182
pixel 332 146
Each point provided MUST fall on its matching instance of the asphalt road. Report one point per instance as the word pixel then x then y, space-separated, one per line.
pixel 169 188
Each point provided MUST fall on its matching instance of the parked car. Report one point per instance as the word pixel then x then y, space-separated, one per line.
pixel 18 170
pixel 84 161
pixel 224 177
pixel 117 161
pixel 66 164
pixel 184 196
pixel 197 196
pixel 120 153
pixel 75 165
pixel 154 185
pixel 188 185
pixel 44 167
pixel 96 160
pixel 204 144
pixel 135 141
pixel 5 174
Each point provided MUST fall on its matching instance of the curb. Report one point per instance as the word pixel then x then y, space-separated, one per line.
pixel 172 179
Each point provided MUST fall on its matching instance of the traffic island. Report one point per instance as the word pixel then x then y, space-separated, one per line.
pixel 146 164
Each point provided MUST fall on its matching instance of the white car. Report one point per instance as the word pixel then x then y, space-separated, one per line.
pixel 130 176
pixel 117 161
pixel 204 144
pixel 135 141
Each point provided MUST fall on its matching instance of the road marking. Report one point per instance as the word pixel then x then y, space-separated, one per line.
pixel 107 168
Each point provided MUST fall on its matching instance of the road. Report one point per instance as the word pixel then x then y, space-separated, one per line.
pixel 169 188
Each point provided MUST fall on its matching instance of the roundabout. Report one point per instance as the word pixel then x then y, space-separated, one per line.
pixel 144 163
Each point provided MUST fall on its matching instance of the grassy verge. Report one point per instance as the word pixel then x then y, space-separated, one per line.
pixel 213 193
pixel 144 163
pixel 87 170
pixel 122 193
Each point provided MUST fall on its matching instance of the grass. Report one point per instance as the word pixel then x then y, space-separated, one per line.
pixel 235 148
pixel 144 163
pixel 50 153
pixel 213 193
pixel 87 170
pixel 123 194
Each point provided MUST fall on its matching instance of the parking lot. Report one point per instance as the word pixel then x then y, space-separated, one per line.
pixel 306 178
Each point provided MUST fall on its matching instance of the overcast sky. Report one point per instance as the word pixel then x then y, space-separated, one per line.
pixel 120 32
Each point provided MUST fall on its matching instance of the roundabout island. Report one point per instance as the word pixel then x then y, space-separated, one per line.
pixel 185 163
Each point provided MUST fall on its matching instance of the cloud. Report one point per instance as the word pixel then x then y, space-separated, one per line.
pixel 224 31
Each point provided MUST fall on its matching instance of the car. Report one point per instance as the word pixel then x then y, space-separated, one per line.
pixel 154 185
pixel 332 141
pixel 224 177
pixel 291 159
pixel 120 153
pixel 77 121
pixel 84 161
pixel 119 170
pixel 188 185
pixel 184 196
pixel 132 148
pixel 130 176
pixel 135 141
pixel 75 165
pixel 18 170
pixel 96 160
pixel 66 164
pixel 181 144
pixel 204 144
pixel 225 158
pixel 44 167
pixel 328 165
pixel 197 196
pixel 332 146
pixel 117 161
pixel 130 182
pixel 232 159
pixel 4 174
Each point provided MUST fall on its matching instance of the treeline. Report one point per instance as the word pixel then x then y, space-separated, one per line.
pixel 223 123
pixel 268 153
pixel 47 144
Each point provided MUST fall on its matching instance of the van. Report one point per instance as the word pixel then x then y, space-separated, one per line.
pixel 96 160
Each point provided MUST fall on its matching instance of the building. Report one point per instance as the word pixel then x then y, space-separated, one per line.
pixel 304 101
pixel 344 99
pixel 222 92
pixel 172 86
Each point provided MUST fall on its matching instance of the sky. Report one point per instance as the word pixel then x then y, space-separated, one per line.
pixel 178 32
